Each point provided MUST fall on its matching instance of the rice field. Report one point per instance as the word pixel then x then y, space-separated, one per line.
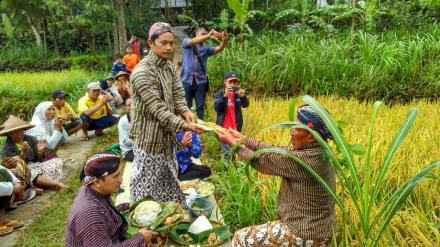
pixel 416 224
pixel 20 92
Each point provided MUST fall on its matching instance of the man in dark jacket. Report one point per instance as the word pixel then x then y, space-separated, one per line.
pixel 228 103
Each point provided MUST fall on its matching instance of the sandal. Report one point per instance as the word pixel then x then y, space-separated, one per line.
pixel 30 194
pixel 5 230
pixel 14 224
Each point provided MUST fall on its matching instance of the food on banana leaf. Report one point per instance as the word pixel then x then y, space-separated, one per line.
pixel 203 188
pixel 168 210
pixel 209 126
pixel 215 236
pixel 201 224
pixel 160 217
pixel 146 212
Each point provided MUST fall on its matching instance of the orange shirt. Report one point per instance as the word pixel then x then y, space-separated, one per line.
pixel 131 61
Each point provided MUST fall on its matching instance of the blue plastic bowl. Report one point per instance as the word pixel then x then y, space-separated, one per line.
pixel 200 207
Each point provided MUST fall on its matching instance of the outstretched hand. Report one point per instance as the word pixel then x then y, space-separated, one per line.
pixel 189 116
pixel 193 127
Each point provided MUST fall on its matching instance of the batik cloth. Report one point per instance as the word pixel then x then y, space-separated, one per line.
pixel 155 175
pixel 274 233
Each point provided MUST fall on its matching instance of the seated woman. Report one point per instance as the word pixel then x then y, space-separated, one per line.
pixel 122 84
pixel 48 126
pixel 306 212
pixel 93 219
pixel 20 148
pixel 10 187
pixel 187 169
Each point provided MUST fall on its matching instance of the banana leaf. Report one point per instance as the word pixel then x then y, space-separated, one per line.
pixel 220 230
pixel 133 228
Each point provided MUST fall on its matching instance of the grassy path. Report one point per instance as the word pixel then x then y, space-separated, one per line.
pixel 45 217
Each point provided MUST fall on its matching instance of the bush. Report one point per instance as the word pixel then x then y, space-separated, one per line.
pixel 391 66
pixel 57 64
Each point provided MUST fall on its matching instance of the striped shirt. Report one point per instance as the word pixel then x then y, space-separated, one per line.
pixel 303 204
pixel 158 101
pixel 94 221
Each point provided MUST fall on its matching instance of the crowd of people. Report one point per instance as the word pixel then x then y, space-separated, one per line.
pixel 159 135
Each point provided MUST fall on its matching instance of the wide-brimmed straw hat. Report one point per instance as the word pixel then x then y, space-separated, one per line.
pixel 120 73
pixel 14 123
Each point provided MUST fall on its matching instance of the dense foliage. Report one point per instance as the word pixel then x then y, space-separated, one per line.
pixel 394 66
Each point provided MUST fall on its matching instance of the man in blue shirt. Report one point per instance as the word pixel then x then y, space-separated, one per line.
pixel 187 169
pixel 194 58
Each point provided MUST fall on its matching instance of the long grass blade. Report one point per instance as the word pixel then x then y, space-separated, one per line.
pixel 398 139
pixel 338 138
pixel 366 186
pixel 395 202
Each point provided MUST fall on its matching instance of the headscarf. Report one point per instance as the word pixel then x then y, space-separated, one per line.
pixel 158 29
pixel 309 117
pixel 101 164
pixel 43 128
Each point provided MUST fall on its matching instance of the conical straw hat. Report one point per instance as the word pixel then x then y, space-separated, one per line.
pixel 14 123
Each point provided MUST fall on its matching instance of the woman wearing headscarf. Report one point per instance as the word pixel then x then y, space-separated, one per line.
pixel 48 127
pixel 305 212
pixel 158 108
pixel 93 219
pixel 29 157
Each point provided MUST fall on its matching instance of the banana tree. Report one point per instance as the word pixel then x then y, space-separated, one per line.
pixel 242 14
pixel 374 205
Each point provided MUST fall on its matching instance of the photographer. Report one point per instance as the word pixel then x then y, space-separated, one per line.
pixel 228 103
pixel 194 58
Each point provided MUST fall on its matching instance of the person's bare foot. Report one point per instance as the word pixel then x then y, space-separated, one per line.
pixel 39 191
pixel 61 186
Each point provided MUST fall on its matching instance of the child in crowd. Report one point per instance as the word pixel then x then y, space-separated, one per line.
pixel 118 65
pixel 130 59
pixel 228 103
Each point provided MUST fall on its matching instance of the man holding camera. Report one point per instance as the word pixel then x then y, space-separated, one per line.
pixel 228 103
pixel 194 60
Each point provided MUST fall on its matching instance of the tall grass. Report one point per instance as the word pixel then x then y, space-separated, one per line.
pixel 415 223
pixel 388 66
pixel 21 92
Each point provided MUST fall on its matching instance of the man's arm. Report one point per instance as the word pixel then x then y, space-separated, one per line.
pixel 146 84
pixel 82 108
pixel 222 45
pixel 198 40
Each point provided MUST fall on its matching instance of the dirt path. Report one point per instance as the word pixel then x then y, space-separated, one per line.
pixel 30 211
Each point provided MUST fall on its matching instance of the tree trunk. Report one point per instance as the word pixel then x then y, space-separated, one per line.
pixel 45 36
pixel 122 30
pixel 109 41
pixel 93 43
pixel 34 29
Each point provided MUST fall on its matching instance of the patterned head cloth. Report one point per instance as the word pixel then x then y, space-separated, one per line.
pixel 158 29
pixel 308 116
pixel 100 164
